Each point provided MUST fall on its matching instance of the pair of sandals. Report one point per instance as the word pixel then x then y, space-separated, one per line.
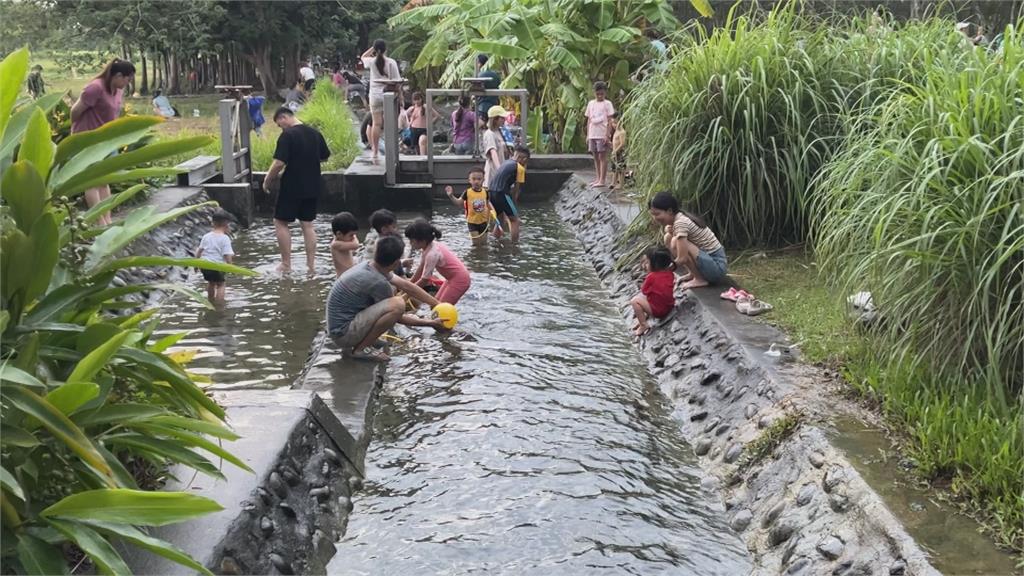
pixel 746 303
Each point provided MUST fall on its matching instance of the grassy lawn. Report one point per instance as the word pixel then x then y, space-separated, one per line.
pixel 804 307
pixel 958 439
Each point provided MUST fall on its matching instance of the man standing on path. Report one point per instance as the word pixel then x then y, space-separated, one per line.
pixel 493 82
pixel 362 305
pixel 300 150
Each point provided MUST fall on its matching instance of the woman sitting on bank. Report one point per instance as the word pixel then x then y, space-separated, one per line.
pixel 693 245
pixel 162 106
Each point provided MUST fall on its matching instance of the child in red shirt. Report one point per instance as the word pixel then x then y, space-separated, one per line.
pixel 657 297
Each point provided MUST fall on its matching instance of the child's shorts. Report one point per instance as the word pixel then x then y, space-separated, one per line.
pixel 597 145
pixel 213 276
pixel 480 228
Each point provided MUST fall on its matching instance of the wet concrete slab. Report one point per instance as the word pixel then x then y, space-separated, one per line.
pixel 349 389
pixel 276 516
pixel 170 197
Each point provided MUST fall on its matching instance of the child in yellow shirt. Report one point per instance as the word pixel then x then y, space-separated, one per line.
pixel 479 212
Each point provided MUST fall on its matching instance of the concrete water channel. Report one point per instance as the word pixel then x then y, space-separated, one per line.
pixel 536 439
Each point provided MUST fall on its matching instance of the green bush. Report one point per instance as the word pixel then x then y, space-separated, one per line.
pixel 743 120
pixel 924 207
pixel 327 112
pixel 87 396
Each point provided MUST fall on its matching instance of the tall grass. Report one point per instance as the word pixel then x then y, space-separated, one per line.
pixel 744 119
pixel 924 207
pixel 327 112
pixel 898 151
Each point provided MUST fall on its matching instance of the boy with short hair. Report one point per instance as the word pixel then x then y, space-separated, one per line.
pixel 505 186
pixel 477 206
pixel 383 223
pixel 216 247
pixel 598 112
pixel 344 243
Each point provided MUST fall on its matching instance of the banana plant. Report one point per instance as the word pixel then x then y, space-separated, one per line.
pixel 554 48
pixel 91 406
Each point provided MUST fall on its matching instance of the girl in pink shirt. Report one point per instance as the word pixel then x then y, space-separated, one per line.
pixel 424 236
pixel 98 104
pixel 599 112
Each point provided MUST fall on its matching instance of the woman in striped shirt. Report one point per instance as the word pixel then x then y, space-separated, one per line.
pixel 693 245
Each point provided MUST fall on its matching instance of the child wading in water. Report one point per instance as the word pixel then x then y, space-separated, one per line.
pixel 476 205
pixel 216 247
pixel 656 298
pixel 506 183
pixel 598 113
pixel 344 243
pixel 436 255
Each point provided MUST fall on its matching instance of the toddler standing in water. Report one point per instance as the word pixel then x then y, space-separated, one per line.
pixel 476 206
pixel 216 247
pixel 656 298
pixel 344 243
pixel 598 113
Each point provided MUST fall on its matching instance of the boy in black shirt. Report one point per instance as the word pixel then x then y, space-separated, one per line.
pixel 301 149
pixel 504 190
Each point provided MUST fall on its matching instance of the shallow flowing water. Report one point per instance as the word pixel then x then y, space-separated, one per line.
pixel 532 440
pixel 260 336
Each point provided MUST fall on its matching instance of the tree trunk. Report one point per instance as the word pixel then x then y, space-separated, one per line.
pixel 173 86
pixel 158 77
pixel 291 65
pixel 264 66
pixel 364 37
pixel 144 89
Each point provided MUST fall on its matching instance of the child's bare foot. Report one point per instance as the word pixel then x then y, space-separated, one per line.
pixel 641 329
pixel 694 284
pixel 283 268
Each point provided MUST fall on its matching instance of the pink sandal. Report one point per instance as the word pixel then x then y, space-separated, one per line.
pixel 732 294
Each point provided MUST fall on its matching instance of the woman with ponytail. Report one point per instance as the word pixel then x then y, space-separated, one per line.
pixel 463 127
pixel 693 245
pixel 436 255
pixel 381 68
pixel 98 104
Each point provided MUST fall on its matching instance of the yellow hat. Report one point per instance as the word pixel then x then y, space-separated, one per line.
pixel 496 111
pixel 447 313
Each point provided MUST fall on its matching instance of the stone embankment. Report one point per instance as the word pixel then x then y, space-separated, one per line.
pixel 795 500
pixel 176 239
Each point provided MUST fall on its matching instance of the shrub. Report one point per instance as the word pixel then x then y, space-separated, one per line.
pixel 924 207
pixel 743 120
pixel 327 112
pixel 87 395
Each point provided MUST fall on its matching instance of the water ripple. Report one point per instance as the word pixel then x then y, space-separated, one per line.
pixel 538 446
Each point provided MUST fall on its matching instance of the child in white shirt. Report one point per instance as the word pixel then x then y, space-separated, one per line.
pixel 216 247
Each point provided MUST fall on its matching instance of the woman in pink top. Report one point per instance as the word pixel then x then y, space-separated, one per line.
pixel 424 236
pixel 99 103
